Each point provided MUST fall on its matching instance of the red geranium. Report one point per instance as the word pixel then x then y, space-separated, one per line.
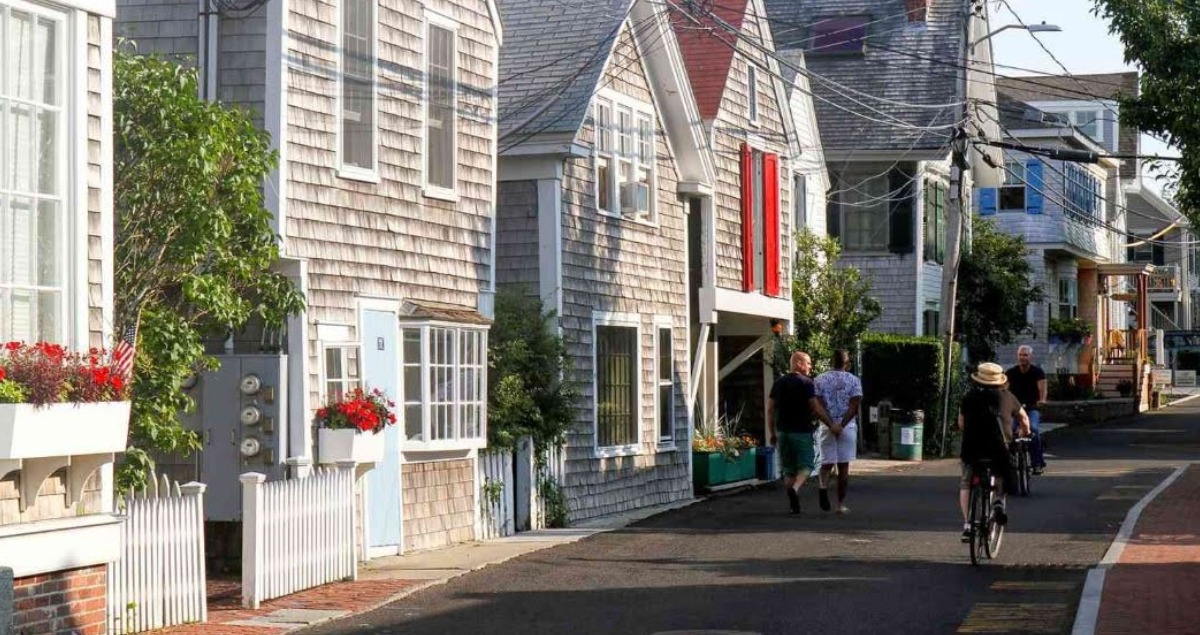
pixel 45 373
pixel 358 409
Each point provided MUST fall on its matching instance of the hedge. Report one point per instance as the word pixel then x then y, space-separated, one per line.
pixel 907 371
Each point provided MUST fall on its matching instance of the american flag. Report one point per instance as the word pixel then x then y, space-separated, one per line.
pixel 123 354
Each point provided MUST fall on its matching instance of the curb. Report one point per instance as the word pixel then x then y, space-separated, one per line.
pixel 1088 613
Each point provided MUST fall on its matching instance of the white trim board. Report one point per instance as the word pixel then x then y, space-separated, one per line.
pixel 61 544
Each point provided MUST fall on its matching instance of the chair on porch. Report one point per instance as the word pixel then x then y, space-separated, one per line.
pixel 1115 346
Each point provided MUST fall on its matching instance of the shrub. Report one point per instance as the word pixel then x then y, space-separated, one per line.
pixel 907 371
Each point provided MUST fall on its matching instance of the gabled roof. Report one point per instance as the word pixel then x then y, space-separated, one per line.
pixel 552 57
pixel 904 61
pixel 706 52
pixel 1070 88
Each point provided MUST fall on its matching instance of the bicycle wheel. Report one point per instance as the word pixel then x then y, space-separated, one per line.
pixel 976 519
pixel 1027 471
pixel 995 531
pixel 1023 470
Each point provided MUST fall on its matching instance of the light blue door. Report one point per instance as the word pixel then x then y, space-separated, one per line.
pixel 381 369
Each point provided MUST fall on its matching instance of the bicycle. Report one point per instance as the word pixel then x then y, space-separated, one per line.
pixel 1022 465
pixel 986 532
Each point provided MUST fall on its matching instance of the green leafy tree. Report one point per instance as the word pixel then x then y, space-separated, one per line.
pixel 832 305
pixel 526 393
pixel 994 290
pixel 1160 38
pixel 194 244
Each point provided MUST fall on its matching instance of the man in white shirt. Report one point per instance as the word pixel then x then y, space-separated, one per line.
pixel 841 393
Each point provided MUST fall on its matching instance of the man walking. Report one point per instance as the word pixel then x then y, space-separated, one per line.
pixel 1027 382
pixel 792 410
pixel 841 394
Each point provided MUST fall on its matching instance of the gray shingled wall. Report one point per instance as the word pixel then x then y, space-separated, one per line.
pixel 517 235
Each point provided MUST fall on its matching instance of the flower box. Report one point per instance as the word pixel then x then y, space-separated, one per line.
pixel 63 429
pixel 348 444
pixel 712 468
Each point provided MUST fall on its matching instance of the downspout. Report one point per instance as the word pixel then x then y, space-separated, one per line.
pixel 206 56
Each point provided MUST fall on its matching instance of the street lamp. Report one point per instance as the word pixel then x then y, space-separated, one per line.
pixel 1032 28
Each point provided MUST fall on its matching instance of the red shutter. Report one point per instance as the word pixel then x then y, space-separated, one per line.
pixel 771 224
pixel 747 218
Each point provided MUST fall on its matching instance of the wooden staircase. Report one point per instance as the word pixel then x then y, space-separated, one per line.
pixel 1113 374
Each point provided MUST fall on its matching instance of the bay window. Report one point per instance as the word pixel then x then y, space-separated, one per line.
pixel 34 206
pixel 624 157
pixel 443 381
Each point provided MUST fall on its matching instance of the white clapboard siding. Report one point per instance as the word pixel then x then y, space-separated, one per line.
pixel 159 580
pixel 296 533
pixel 497 518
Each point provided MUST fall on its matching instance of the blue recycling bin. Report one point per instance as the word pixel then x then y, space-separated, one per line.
pixel 765 463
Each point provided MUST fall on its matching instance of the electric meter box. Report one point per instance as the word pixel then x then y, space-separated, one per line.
pixel 241 417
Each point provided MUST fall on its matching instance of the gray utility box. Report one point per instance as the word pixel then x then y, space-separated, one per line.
pixel 241 416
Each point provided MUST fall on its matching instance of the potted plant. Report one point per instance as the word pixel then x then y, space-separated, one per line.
pixel 348 429
pixel 1069 330
pixel 721 455
pixel 1125 387
pixel 54 402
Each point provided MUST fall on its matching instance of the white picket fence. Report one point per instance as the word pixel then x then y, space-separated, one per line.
pixel 159 580
pixel 555 470
pixel 296 533
pixel 494 475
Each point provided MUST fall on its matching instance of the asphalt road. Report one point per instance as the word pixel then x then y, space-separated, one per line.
pixel 894 565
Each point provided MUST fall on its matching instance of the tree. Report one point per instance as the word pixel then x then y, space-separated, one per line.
pixel 528 361
pixel 994 290
pixel 832 305
pixel 1160 38
pixel 194 245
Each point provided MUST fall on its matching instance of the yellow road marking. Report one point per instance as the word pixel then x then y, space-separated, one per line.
pixel 1017 618
pixel 1032 585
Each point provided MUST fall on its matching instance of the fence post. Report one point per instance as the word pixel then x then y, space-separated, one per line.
pixel 252 538
pixel 346 471
pixel 195 565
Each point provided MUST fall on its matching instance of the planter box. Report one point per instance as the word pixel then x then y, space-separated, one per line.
pixel 349 445
pixel 711 468
pixel 63 429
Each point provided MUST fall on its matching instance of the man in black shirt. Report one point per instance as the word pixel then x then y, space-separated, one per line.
pixel 1028 383
pixel 792 411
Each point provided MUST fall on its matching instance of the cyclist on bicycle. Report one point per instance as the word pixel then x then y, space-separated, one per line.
pixel 1027 381
pixel 985 418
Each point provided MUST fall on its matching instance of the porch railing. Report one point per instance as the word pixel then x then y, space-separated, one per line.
pixel 1164 280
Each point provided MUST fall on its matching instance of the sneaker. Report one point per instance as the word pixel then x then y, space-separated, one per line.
pixel 794 500
pixel 823 495
pixel 842 509
pixel 1037 471
pixel 966 534
pixel 999 514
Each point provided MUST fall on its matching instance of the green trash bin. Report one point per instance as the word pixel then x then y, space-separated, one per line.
pixel 908 437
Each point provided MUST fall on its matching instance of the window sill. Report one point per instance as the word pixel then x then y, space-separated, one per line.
pixel 635 221
pixel 619 451
pixel 350 173
pixel 440 194
pixel 442 446
pixel 665 447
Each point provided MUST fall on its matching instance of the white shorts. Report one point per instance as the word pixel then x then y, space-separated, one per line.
pixel 839 449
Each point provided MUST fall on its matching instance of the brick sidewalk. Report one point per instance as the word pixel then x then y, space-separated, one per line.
pixel 1155 586
pixel 225 605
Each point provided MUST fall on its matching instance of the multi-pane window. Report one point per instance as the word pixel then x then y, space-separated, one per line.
pixel 1090 123
pixel 444 375
pixel 358 84
pixel 1012 193
pixel 616 385
pixel 1068 298
pixel 624 155
pixel 864 206
pixel 666 386
pixel 440 110
pixel 799 202
pixel 343 372
pixel 33 156
pixel 1082 191
pixel 935 222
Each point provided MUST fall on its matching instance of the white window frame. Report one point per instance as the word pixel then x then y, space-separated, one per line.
pixel 1071 303
pixel 459 442
pixel 623 320
pixel 639 111
pixel 428 189
pixel 846 209
pixel 665 442
pixel 1108 109
pixel 72 165
pixel 1014 179
pixel 345 170
pixel 799 217
pixel 752 93
pixel 327 346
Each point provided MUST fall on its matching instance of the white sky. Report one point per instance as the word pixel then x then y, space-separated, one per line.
pixel 1084 45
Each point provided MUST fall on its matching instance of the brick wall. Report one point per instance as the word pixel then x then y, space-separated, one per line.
pixel 439 503
pixel 67 602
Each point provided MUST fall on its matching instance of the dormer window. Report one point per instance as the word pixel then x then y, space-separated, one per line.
pixel 838 35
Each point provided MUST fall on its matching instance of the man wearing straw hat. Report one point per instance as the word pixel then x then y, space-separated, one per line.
pixel 985 418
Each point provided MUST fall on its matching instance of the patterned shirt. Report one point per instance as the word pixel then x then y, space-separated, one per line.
pixel 837 388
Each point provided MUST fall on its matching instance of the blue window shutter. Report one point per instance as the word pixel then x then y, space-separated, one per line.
pixel 1034 187
pixel 988 200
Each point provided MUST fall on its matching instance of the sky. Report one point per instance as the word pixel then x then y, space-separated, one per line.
pixel 1084 45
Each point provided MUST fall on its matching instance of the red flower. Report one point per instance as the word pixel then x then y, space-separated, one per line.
pixel 100 376
pixel 118 384
pixel 1 373
pixel 12 346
